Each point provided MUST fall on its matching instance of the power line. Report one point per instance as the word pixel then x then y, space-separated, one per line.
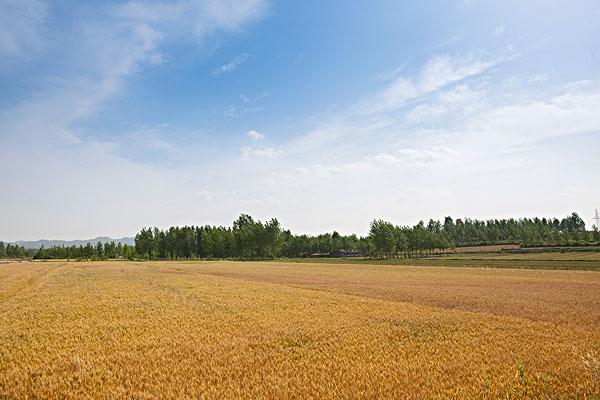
pixel 596 219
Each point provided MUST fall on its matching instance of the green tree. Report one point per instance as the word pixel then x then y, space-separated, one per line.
pixel 99 253
pixel 381 235
pixel 88 251
pixel 143 243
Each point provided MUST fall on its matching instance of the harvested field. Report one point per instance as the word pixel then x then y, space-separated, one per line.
pixel 290 330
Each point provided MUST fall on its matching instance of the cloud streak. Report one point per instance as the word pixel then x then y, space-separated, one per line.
pixel 231 65
pixel 439 72
pixel 249 152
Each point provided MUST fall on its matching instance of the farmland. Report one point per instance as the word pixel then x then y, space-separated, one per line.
pixel 515 258
pixel 251 330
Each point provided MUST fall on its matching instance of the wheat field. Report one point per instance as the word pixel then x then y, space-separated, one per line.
pixel 274 330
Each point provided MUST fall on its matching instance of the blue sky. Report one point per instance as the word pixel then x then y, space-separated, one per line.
pixel 325 114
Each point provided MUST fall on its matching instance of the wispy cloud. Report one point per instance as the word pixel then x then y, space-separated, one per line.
pixel 231 65
pixel 335 169
pixel 416 155
pixel 153 141
pixel 234 111
pixel 439 72
pixel 254 135
pixel 248 152
pixel 436 154
pixel 450 41
pixel 245 106
pixel 538 78
pixel 211 195
pixel 499 30
pixel 573 111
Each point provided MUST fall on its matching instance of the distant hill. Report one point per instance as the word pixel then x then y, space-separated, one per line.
pixel 36 244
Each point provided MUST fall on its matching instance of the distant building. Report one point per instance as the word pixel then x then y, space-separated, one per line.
pixel 336 254
pixel 348 253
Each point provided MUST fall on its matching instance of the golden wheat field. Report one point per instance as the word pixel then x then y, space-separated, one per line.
pixel 220 330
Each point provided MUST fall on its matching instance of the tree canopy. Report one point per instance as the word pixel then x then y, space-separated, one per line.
pixel 248 238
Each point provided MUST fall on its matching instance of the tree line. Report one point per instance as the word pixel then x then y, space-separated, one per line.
pixel 525 231
pixel 99 251
pixel 252 239
pixel 10 250
pixel 389 240
pixel 246 239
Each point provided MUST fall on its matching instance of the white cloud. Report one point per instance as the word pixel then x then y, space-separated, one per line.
pixel 385 158
pixel 231 66
pixel 573 111
pixel 247 105
pixel 254 135
pixel 260 152
pixel 450 41
pixel 419 154
pixel 442 70
pixel 436 154
pixel 437 73
pixel 233 111
pixel 210 196
pixel 301 170
pixel 446 151
pixel 538 78
pixel 328 170
pixel 499 30
pixel 462 94
pixel 336 169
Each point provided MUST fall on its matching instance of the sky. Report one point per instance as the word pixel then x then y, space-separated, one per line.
pixel 116 115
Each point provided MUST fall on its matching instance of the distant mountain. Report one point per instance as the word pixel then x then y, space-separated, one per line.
pixel 36 244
